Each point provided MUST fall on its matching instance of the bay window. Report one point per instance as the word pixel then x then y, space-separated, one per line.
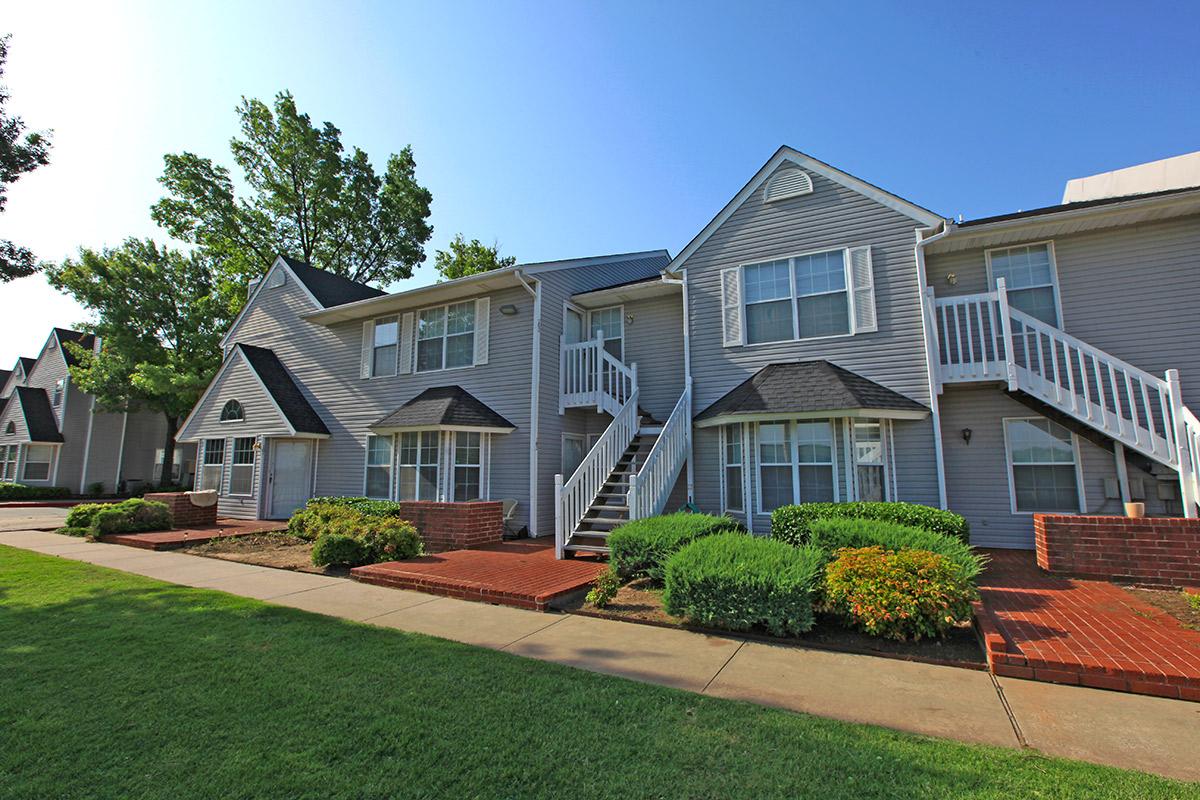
pixel 731 445
pixel 774 466
pixel 419 465
pixel 468 466
pixel 1043 469
pixel 870 473
pixel 379 467
pixel 814 456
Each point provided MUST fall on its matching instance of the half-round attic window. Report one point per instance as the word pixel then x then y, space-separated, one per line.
pixel 787 183
pixel 232 412
pixel 11 427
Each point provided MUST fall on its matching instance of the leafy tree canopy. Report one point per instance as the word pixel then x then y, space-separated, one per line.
pixel 20 152
pixel 304 197
pixel 469 258
pixel 160 317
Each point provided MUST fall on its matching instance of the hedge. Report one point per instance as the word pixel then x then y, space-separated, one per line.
pixel 338 549
pixel 640 549
pixel 792 523
pixel 738 582
pixel 374 524
pixel 130 516
pixel 319 512
pixel 831 535
pixel 19 491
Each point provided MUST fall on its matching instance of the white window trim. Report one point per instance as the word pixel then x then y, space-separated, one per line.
pixel 789 432
pixel 231 421
pixel 11 455
pixel 724 441
pixel 583 447
pixel 1012 486
pixel 452 449
pixel 849 292
pixel 886 457
pixel 568 309
pixel 231 450
pixel 439 479
pixel 397 319
pixel 50 465
pixel 203 453
pixel 793 429
pixel 390 466
pixel 416 342
pixel 621 318
pixel 991 281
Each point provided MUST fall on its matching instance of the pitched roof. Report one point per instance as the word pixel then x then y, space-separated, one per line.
pixel 5 374
pixel 39 417
pixel 85 340
pixel 283 390
pixel 444 407
pixel 328 288
pixel 1104 201
pixel 26 364
pixel 807 387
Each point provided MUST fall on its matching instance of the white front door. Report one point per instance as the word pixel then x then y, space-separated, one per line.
pixel 291 476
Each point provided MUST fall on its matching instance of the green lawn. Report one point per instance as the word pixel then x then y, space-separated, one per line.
pixel 113 685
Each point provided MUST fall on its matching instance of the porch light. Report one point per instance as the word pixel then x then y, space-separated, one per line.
pixel 508 309
pixel 966 434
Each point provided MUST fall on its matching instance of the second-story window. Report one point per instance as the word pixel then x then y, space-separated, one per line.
pixel 1029 277
pixel 446 337
pixel 609 324
pixel 803 297
pixel 56 399
pixel 768 302
pixel 232 412
pixel 385 346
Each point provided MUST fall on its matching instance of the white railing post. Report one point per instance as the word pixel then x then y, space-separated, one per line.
pixel 933 350
pixel 560 537
pixel 1187 483
pixel 631 498
pixel 1010 366
pixel 633 381
pixel 598 359
pixel 562 373
pixel 691 479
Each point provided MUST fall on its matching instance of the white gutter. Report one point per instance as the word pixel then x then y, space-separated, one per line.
pixel 680 278
pixel 932 360
pixel 534 398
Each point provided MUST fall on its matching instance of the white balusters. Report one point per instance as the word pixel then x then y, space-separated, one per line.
pixel 652 485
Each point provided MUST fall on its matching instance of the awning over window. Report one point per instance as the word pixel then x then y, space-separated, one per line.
pixel 444 408
pixel 808 389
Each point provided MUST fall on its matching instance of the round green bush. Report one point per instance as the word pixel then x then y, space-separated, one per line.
pixel 131 516
pixel 793 523
pixel 833 534
pixel 388 538
pixel 739 582
pixel 640 549
pixel 336 549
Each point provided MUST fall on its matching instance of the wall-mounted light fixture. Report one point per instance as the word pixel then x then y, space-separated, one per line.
pixel 966 434
pixel 629 319
pixel 508 309
pixel 952 278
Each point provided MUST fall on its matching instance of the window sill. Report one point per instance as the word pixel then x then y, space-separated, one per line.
pixel 800 341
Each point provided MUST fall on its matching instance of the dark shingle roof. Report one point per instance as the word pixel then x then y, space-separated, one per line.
pixel 1103 201
pixel 27 364
pixel 328 288
pixel 85 340
pixel 444 406
pixel 807 387
pixel 5 374
pixel 39 417
pixel 283 389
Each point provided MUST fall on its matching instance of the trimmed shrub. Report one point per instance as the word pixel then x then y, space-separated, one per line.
pixel 320 512
pixel 604 588
pixel 902 595
pixel 640 549
pixel 835 534
pixel 19 491
pixel 388 538
pixel 131 516
pixel 338 549
pixel 374 524
pixel 739 582
pixel 81 516
pixel 793 523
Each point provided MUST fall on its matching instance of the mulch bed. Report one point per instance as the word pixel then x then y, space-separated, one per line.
pixel 1172 601
pixel 279 550
pixel 640 603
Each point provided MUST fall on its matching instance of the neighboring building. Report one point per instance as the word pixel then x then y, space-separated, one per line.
pixel 52 433
pixel 819 339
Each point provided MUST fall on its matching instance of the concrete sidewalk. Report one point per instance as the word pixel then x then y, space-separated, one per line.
pixel 1132 731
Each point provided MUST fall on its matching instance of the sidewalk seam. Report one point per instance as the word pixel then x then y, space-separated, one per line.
pixel 741 644
pixel 563 618
pixel 1012 717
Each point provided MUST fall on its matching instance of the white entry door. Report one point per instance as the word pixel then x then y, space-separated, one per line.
pixel 291 475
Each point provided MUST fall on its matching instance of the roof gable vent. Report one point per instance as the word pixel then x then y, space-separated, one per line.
pixel 787 183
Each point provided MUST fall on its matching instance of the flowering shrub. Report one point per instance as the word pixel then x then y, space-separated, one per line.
pixel 908 594
pixel 604 588
pixel 388 538
pixel 836 534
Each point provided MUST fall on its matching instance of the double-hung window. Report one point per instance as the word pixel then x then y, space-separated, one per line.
pixel 214 464
pixel 468 466
pixel 870 472
pixel 241 473
pixel 57 396
pixel 419 463
pixel 379 467
pixel 609 324
pixel 814 451
pixel 732 447
pixel 1042 465
pixel 804 297
pixel 384 347
pixel 446 337
pixel 768 290
pixel 8 462
pixel 38 458
pixel 1029 278
pixel 775 487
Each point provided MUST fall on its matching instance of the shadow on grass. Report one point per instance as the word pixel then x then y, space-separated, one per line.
pixel 113 685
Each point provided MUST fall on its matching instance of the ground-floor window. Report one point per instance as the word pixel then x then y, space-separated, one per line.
pixel 573 450
pixel 379 467
pixel 213 464
pixel 419 465
pixel 815 467
pixel 241 473
pixel 870 466
pixel 775 468
pixel 1043 466
pixel 8 462
pixel 38 458
pixel 731 449
pixel 468 466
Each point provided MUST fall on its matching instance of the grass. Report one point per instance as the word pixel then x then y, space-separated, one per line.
pixel 113 685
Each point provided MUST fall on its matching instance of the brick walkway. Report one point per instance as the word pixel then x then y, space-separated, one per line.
pixel 169 540
pixel 1092 633
pixel 521 574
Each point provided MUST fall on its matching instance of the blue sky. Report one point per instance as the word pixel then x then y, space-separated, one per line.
pixel 566 129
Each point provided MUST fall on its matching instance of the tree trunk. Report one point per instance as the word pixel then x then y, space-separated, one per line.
pixel 164 478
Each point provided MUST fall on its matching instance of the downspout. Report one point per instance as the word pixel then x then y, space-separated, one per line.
pixel 932 361
pixel 535 379
pixel 682 281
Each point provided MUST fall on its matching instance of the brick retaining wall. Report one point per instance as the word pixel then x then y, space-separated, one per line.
pixel 183 513
pixel 455 526
pixel 1163 551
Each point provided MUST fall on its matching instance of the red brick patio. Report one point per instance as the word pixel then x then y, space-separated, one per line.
pixel 522 574
pixel 169 540
pixel 1091 633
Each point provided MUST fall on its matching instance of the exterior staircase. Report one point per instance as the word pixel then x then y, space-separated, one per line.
pixel 610 506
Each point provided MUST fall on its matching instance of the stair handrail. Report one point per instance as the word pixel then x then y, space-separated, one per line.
pixel 651 486
pixel 615 381
pixel 576 494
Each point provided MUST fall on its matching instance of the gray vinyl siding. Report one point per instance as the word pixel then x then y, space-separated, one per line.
pixel 832 217
pixel 239 383
pixel 654 341
pixel 1129 291
pixel 71 415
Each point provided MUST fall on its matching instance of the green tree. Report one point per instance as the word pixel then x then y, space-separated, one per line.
pixel 20 152
pixel 160 315
pixel 305 198
pixel 469 258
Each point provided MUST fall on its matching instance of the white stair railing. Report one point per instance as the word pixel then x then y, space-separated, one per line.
pixel 968 337
pixel 591 376
pixel 650 488
pixel 576 494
